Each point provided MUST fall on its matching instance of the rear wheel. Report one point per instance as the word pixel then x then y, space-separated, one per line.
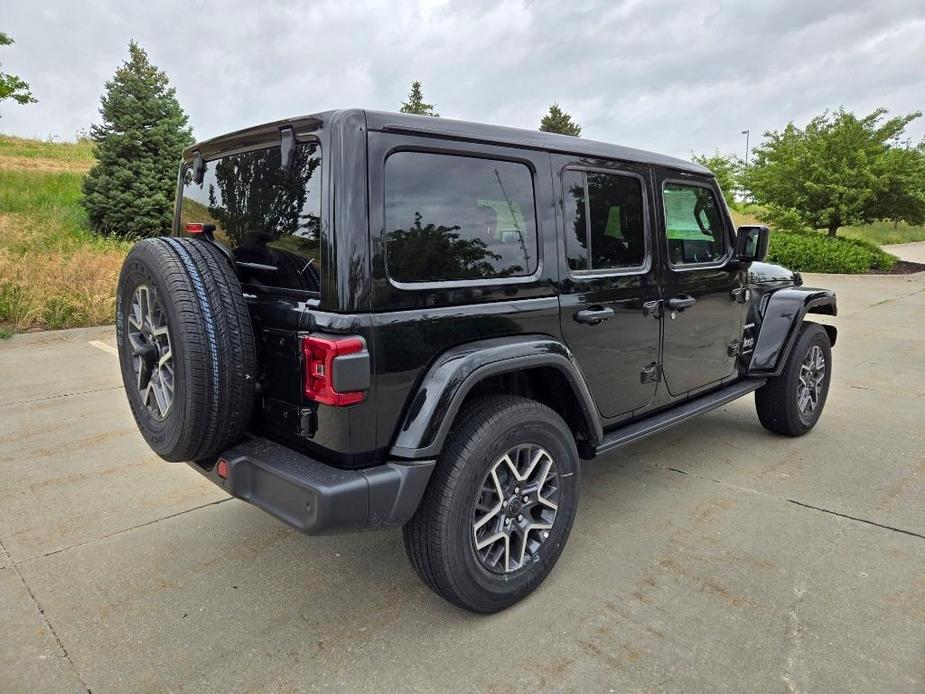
pixel 186 348
pixel 792 403
pixel 500 505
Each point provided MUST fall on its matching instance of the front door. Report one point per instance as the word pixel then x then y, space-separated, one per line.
pixel 608 280
pixel 702 293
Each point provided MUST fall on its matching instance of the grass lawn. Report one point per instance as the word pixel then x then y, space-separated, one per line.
pixel 54 273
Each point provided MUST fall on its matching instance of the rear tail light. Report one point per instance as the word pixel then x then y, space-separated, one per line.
pixel 194 228
pixel 320 354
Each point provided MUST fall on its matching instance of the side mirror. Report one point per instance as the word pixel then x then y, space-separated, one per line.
pixel 752 243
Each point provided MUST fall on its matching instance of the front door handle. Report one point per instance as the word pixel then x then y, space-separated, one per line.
pixel 594 315
pixel 680 302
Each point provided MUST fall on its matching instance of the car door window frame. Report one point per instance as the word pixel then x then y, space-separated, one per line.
pixel 727 236
pixel 646 230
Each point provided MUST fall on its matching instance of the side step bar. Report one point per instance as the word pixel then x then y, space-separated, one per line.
pixel 667 419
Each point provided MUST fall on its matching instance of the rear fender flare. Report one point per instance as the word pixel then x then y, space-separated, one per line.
pixel 446 383
pixel 782 317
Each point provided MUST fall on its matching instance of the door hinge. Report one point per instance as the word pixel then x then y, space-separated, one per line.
pixel 651 374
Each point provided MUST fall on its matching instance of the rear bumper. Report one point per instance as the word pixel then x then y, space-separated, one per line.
pixel 316 498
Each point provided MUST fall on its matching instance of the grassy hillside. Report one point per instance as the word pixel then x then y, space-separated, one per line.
pixel 53 272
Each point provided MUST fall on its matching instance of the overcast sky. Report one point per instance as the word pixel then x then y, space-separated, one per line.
pixel 674 77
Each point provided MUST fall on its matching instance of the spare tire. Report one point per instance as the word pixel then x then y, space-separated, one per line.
pixel 186 348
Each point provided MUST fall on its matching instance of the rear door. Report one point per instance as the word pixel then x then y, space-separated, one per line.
pixel 608 283
pixel 700 336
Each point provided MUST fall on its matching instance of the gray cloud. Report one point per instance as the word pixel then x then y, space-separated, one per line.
pixel 668 76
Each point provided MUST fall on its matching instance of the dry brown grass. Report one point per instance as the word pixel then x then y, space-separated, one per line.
pixel 42 164
pixel 58 289
pixel 54 273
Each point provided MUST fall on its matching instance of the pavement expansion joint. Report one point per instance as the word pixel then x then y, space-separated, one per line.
pixel 123 530
pixel 59 395
pixel 38 606
pixel 803 504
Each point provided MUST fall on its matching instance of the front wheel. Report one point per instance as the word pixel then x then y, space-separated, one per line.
pixel 791 403
pixel 499 507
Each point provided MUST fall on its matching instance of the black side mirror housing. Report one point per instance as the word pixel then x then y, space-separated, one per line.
pixel 752 243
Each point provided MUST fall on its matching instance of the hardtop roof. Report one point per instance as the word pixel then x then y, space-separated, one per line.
pixel 458 129
pixel 534 139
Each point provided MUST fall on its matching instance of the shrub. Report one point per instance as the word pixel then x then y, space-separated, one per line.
pixel 812 251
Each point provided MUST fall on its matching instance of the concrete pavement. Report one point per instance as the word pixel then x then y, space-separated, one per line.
pixel 913 252
pixel 716 557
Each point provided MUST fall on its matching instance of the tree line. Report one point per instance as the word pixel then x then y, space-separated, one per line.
pixel 839 169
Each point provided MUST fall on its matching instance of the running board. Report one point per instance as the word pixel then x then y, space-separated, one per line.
pixel 667 419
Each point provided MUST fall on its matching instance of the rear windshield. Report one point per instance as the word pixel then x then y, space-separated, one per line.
pixel 268 216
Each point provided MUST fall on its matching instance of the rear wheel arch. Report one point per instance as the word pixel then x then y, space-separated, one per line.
pixel 539 368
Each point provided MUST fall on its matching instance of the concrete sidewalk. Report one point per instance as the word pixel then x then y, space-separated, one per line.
pixel 717 557
pixel 912 252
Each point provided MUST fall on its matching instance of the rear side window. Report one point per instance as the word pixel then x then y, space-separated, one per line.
pixel 269 216
pixel 693 225
pixel 604 221
pixel 452 217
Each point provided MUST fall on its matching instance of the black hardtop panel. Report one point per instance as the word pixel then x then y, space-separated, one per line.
pixel 441 127
pixel 534 139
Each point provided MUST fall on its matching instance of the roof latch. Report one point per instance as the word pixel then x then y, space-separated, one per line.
pixel 286 148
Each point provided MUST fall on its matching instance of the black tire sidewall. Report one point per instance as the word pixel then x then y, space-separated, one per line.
pixel 811 335
pixel 538 426
pixel 139 269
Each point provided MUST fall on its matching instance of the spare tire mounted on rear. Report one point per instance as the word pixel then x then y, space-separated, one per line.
pixel 186 347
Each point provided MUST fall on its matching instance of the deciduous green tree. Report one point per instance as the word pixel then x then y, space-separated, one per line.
pixel 415 103
pixel 130 191
pixel 832 173
pixel 901 197
pixel 727 169
pixel 558 121
pixel 11 86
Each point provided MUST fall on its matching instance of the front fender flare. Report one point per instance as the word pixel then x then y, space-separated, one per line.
pixel 783 314
pixel 447 382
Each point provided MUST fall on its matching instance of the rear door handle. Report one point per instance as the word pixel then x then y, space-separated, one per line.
pixel 594 315
pixel 680 302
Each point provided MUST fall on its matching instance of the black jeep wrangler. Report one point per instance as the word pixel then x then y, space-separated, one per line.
pixel 369 320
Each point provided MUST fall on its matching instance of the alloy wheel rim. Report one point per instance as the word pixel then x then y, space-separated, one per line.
pixel 809 384
pixel 152 357
pixel 515 509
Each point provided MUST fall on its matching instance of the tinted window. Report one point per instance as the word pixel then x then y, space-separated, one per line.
pixel 693 224
pixel 268 216
pixel 455 218
pixel 604 221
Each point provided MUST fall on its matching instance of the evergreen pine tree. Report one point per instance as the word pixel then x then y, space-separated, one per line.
pixel 131 189
pixel 558 121
pixel 415 103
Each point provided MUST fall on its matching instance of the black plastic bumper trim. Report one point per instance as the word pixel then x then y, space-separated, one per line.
pixel 316 498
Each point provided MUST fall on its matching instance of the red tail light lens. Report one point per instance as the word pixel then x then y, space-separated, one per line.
pixel 320 353
pixel 193 227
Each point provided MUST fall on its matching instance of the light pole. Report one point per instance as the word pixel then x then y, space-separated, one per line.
pixel 746 132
